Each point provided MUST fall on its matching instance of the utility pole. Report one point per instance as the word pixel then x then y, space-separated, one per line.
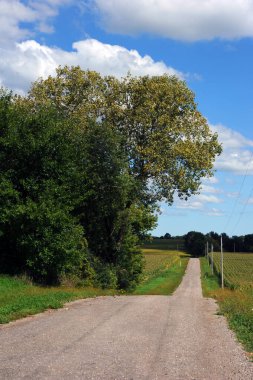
pixel 212 258
pixel 221 258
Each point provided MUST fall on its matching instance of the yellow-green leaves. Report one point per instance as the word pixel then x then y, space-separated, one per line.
pixel 166 138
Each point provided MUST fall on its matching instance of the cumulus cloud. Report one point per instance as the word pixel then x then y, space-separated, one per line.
pixel 190 20
pixel 209 189
pixel 26 61
pixel 198 202
pixel 210 180
pixel 215 212
pixel 36 14
pixel 230 138
pixel 237 155
pixel 12 13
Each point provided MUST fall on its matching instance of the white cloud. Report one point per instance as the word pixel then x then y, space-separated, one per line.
pixel 24 62
pixel 12 13
pixel 234 194
pixel 210 180
pixel 197 202
pixel 36 14
pixel 215 212
pixel 237 157
pixel 190 205
pixel 209 189
pixel 230 138
pixel 204 198
pixel 189 20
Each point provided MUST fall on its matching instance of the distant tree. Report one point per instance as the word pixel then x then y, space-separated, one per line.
pixel 167 236
pixel 214 241
pixel 195 243
pixel 248 243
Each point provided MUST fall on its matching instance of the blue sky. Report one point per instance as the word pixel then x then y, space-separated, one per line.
pixel 208 43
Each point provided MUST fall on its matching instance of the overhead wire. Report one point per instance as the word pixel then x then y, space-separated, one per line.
pixel 238 197
pixel 243 210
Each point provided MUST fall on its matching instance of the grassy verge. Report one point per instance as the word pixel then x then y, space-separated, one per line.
pixel 19 298
pixel 236 305
pixel 163 273
pixel 210 283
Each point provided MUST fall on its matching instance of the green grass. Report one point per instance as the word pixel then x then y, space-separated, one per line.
pixel 209 282
pixel 235 304
pixel 19 298
pixel 163 273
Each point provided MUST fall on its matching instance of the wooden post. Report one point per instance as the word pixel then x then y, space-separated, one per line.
pixel 221 258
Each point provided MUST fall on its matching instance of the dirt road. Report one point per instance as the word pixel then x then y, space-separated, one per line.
pixel 136 337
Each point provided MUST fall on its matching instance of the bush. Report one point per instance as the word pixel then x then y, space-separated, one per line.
pixel 47 243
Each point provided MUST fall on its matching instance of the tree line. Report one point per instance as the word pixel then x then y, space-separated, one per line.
pixel 84 161
pixel 195 242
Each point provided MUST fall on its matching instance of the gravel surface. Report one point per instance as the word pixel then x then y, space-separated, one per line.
pixel 134 337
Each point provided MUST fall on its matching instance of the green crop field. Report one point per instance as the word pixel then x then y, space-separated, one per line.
pixel 163 271
pixel 237 267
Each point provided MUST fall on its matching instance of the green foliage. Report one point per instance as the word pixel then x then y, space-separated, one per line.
pixel 112 222
pixel 165 244
pixel 62 187
pixel 242 243
pixel 38 233
pixel 195 243
pixel 167 141
pixel 83 161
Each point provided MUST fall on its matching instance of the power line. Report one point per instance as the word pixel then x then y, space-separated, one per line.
pixel 238 195
pixel 243 210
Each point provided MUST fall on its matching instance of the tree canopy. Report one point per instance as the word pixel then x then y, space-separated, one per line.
pixel 168 143
pixel 84 160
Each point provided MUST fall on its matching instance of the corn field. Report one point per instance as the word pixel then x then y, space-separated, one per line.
pixel 237 268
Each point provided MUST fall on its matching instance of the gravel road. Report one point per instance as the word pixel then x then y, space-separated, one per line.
pixel 134 337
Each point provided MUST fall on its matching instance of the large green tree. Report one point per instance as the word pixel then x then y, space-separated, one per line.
pixel 61 185
pixel 86 157
pixel 169 144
